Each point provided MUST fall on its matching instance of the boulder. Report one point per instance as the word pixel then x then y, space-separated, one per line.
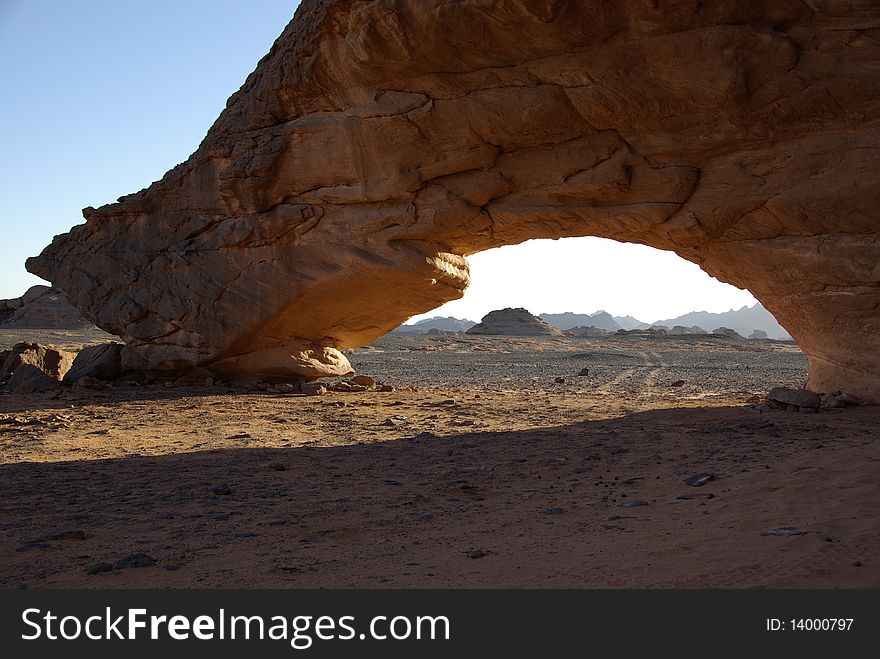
pixel 52 361
pixel 514 322
pixel 28 379
pixel 800 399
pixel 380 143
pixel 103 362
pixel 726 332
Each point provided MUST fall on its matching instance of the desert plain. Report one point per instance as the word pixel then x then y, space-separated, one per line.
pixel 489 461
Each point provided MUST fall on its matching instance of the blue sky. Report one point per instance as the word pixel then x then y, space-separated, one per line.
pixel 101 98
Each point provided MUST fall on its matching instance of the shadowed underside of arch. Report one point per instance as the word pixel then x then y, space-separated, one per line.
pixel 380 142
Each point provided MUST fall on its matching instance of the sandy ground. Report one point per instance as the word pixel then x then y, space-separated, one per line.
pixel 480 470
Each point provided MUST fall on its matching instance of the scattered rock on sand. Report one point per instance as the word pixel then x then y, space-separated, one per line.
pixel 840 399
pixel 785 531
pixel 634 503
pixel 678 383
pixel 584 371
pixel 48 359
pixel 135 560
pixel 90 383
pixel 103 362
pixel 313 389
pixel 363 381
pixel 98 568
pixel 698 480
pixel 222 490
pixel 793 399
pixel 394 421
pixel 28 379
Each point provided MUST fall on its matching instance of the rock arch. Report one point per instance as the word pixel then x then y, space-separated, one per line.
pixel 381 142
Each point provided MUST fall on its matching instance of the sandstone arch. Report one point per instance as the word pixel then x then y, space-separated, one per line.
pixel 380 142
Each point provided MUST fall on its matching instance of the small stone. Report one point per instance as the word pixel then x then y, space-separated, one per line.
pixel 634 503
pixel 677 383
pixel 784 531
pixel 698 480
pixel 283 388
pixel 386 388
pixel 584 371
pixel 278 466
pixel 559 380
pixel 313 389
pixel 93 384
pixel 135 560
pixel 696 495
pixel 477 553
pixel 554 511
pixel 799 398
pixel 98 568
pixel 857 564
pixel 222 490
pixel 394 421
pixel 363 380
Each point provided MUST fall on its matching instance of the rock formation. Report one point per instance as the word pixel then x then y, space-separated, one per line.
pixel 380 142
pixel 41 307
pixel 29 367
pixel 587 331
pixel 726 332
pixel 514 322
pixel 681 330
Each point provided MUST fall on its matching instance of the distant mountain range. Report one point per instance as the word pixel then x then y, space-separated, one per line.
pixel 599 320
pixel 439 323
pixel 744 321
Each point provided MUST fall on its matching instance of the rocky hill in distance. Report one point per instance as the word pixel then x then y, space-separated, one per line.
pixel 41 307
pixel 514 322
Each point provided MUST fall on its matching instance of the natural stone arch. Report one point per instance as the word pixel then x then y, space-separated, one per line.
pixel 380 142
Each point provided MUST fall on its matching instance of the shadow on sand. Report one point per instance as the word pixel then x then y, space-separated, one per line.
pixel 597 504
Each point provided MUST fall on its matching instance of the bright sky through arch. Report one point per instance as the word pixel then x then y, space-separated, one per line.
pixel 584 275
pixel 102 97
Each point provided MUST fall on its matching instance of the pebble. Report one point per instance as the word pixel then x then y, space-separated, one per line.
pixel 135 560
pixel 98 568
pixel 784 531
pixel 222 490
pixel 634 503
pixel 698 480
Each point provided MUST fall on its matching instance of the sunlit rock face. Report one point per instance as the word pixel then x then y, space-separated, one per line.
pixel 379 143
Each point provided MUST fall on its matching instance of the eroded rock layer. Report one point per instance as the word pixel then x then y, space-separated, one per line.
pixel 380 142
